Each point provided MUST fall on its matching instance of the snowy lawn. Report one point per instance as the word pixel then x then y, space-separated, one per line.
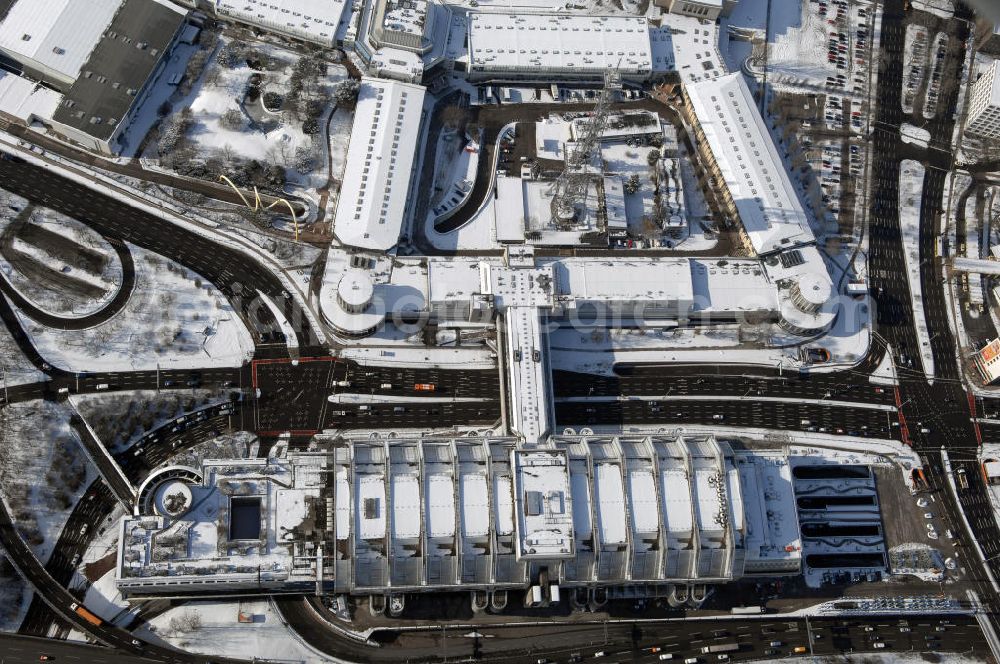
pixel 174 319
pixel 45 470
pixel 911 186
pixel 55 262
pixel 220 121
pixel 914 135
pixel 212 628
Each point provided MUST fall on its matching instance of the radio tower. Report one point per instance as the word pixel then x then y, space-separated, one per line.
pixel 569 191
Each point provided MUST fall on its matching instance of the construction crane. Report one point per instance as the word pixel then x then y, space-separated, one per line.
pixel 569 191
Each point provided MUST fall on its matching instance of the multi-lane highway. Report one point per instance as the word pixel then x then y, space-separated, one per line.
pixel 643 640
pixel 236 274
pixel 281 397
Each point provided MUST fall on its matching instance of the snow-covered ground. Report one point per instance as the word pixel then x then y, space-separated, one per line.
pixel 104 599
pixel 915 54
pixel 39 256
pixel 911 185
pixel 213 629
pixel 941 8
pixel 45 470
pixel 120 418
pixel 15 596
pixel 797 55
pixel 174 319
pixel 221 89
pixel 915 135
pixel 479 233
pixel 937 69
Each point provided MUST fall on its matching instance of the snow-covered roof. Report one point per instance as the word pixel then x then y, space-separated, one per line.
pixel 731 285
pixel 316 20
pixel 508 209
pixel 694 41
pixel 56 34
pixel 755 175
pixel 25 99
pixel 768 501
pixel 661 46
pixel 545 504
pixel 559 43
pixel 606 280
pixel 373 197
pixel 553 499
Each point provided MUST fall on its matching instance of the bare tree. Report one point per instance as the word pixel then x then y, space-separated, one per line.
pixel 232 119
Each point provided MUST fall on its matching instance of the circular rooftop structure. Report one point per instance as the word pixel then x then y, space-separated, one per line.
pixel 172 498
pixel 355 290
pixel 807 304
pixel 811 291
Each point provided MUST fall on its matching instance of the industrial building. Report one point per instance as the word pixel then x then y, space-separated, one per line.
pixel 102 57
pixel 659 516
pixel 703 9
pixel 554 47
pixel 316 21
pixel 738 151
pixel 373 195
pixel 50 40
pixel 361 294
pixel 984 104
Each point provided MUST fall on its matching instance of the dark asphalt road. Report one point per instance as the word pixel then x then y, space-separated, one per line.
pixel 626 641
pixel 238 276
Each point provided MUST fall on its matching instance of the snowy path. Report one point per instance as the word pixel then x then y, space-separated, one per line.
pixel 911 185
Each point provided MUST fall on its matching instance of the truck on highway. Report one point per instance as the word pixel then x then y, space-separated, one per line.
pixel 86 615
pixel 425 387
pixel 720 647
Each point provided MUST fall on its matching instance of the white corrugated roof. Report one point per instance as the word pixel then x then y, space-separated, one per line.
pixel 316 18
pixel 559 42
pixel 373 195
pixel 767 203
pixel 58 34
pixel 23 99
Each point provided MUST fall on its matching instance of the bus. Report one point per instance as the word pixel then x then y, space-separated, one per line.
pixel 425 387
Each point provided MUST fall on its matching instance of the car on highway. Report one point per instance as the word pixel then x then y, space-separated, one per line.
pixel 45 658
